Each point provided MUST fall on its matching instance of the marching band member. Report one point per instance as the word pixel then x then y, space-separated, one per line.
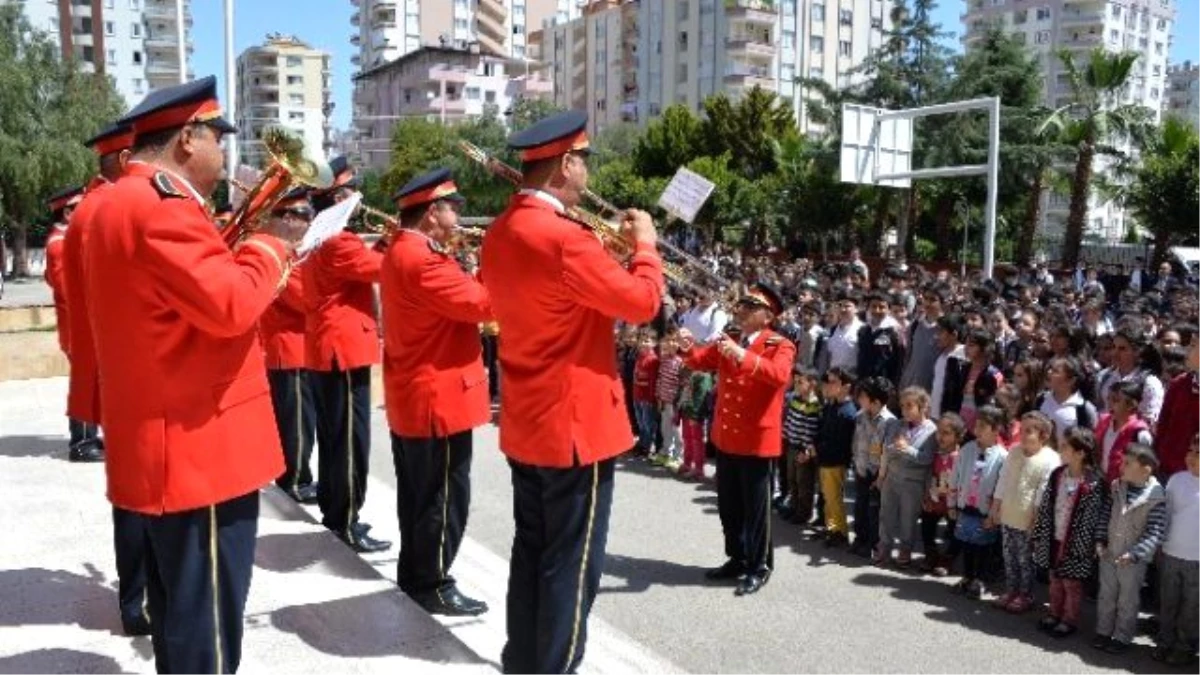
pixel 435 387
pixel 174 315
pixel 555 292
pixel 282 329
pixel 746 430
pixel 341 344
pixel 85 438
pixel 112 145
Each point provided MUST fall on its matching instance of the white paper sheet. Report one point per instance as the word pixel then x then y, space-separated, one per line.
pixel 328 224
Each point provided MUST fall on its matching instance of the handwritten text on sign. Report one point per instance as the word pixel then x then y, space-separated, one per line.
pixel 685 194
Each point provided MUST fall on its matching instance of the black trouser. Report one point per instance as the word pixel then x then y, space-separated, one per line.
pixel 433 497
pixel 929 529
pixel 975 560
pixel 198 576
pixel 491 344
pixel 131 544
pixel 83 434
pixel 557 556
pixel 744 506
pixel 296 417
pixel 344 437
pixel 866 509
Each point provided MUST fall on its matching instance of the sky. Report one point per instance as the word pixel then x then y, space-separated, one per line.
pixel 325 25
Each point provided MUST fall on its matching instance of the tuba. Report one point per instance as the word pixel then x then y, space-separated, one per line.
pixel 290 163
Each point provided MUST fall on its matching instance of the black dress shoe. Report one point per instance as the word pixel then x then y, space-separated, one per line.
pixel 360 541
pixel 748 584
pixel 138 625
pixel 305 494
pixel 732 569
pixel 86 453
pixel 450 602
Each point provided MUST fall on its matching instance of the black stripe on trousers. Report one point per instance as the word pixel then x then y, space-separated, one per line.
pixel 131 544
pixel 198 577
pixel 557 557
pixel 344 437
pixel 433 498
pixel 295 417
pixel 744 507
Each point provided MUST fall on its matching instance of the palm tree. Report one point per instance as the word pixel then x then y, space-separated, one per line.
pixel 1092 123
pixel 1163 192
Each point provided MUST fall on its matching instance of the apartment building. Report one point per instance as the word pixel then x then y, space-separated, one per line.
pixel 282 82
pixel 135 42
pixel 630 59
pixel 385 30
pixel 1183 92
pixel 1080 26
pixel 436 83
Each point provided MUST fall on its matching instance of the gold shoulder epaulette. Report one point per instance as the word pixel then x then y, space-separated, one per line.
pixel 162 182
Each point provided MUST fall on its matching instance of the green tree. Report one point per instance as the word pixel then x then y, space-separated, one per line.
pixel 1092 123
pixel 747 129
pixel 526 111
pixel 735 201
pixel 619 183
pixel 615 142
pixel 671 141
pixel 1164 195
pixel 417 146
pixel 48 108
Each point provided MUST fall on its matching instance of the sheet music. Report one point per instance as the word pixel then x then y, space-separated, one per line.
pixel 328 224
pixel 685 194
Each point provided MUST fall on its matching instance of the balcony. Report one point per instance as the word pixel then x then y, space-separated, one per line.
pixel 355 60
pixel 1085 41
pixel 82 39
pixel 1074 17
pixel 265 84
pixel 438 104
pixel 490 44
pixel 752 46
pixel 161 40
pixel 165 12
pixel 270 66
pixel 355 39
pixel 170 69
pixel 354 19
pixel 750 77
pixel 760 12
pixel 493 10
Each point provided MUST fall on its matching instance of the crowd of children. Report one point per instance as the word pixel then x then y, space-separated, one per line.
pixel 975 445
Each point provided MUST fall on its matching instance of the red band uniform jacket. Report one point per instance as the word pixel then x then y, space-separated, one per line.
pixel 748 412
pixel 83 389
pixel 434 381
pixel 555 292
pixel 282 327
pixel 339 297
pixel 187 414
pixel 54 277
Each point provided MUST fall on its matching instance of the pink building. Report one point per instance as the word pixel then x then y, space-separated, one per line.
pixel 436 83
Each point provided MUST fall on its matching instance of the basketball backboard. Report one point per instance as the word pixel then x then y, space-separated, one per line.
pixel 874 145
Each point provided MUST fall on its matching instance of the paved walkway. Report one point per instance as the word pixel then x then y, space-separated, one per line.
pixel 314 606
pixel 31 292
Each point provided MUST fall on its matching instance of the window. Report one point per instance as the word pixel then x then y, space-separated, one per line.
pixel 460 25
pixel 296 116
pixel 472 93
pixel 816 44
pixel 1114 35
pixel 1154 92
pixel 1043 37
pixel 876 23
pixel 1158 48
pixel 816 73
pixel 112 57
pixel 789 39
pixel 1143 43
pixel 1020 17
pixel 107 3
pixel 137 85
pixel 294 62
pixel 137 58
pixel 845 17
pixel 1157 70
pixel 135 4
pixel 787 73
pixel 295 79
pixel 1116 11
pixel 110 29
pixel 844 48
pixel 518 29
pixel 489 96
pixel 1043 13
pixel 1162 24
pixel 519 51
pixel 1019 38
pixel 296 99
pixel 818 12
pixel 135 30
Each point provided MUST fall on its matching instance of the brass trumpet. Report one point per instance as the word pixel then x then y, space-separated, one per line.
pixel 608 232
pixel 290 163
pixel 384 225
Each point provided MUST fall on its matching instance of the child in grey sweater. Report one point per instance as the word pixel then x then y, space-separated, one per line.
pixel 903 475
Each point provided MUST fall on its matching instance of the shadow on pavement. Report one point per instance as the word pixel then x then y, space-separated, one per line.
pixel 293 552
pixel 59 661
pixel 374 625
pixel 640 574
pixel 981 616
pixel 37 596
pixel 34 446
